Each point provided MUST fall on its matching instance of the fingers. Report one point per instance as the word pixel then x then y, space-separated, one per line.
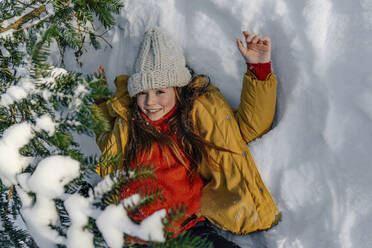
pixel 101 73
pixel 266 40
pixel 250 38
pixel 240 45
pixel 100 69
pixel 256 39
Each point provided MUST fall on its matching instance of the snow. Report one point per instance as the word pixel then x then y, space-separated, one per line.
pixel 104 186
pixel 16 92
pixel 79 93
pixel 26 87
pixel 12 20
pixel 78 208
pixel 14 138
pixel 316 159
pixel 1 226
pixel 38 218
pixel 50 9
pixel 47 182
pixel 4 52
pixel 11 162
pixel 5 23
pixel 57 72
pixel 131 201
pixel 113 221
pixel 52 174
pixel 45 123
pixel 7 34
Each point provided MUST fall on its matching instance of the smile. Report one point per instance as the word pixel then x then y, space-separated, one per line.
pixel 153 110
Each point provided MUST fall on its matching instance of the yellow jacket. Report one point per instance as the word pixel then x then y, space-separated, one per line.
pixel 235 198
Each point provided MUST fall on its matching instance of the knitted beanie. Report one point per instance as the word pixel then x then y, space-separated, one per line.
pixel 160 64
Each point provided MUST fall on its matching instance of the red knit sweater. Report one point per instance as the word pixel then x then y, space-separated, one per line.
pixel 261 70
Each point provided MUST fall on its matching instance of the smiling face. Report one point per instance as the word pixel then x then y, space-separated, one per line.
pixel 156 103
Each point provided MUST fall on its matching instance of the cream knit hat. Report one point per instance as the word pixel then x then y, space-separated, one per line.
pixel 160 64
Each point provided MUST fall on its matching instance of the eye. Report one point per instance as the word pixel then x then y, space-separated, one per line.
pixel 141 93
pixel 158 92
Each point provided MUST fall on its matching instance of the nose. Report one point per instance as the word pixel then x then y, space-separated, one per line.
pixel 150 99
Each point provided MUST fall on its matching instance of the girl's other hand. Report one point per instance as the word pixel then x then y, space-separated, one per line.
pixel 257 50
pixel 101 74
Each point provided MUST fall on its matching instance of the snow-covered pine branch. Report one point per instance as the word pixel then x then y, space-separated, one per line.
pixel 42 170
pixel 39 189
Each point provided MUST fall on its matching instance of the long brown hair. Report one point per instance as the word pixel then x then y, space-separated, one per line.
pixel 194 147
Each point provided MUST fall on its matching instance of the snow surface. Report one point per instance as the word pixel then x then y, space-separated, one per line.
pixel 316 159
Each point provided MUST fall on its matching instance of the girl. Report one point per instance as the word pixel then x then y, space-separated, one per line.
pixel 182 126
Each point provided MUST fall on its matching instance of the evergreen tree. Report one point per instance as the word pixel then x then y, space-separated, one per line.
pixel 42 105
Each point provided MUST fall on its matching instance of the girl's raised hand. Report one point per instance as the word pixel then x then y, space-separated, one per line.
pixel 258 48
pixel 101 73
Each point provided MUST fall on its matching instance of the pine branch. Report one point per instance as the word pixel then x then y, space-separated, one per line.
pixel 102 9
pixel 109 160
pixel 148 195
pixel 40 51
pixel 11 188
pixel 93 35
pixel 184 240
pixel 99 241
pixel 34 24
pixel 12 235
pixel 10 193
pixel 101 124
pixel 36 13
pixel 175 216
pixel 13 115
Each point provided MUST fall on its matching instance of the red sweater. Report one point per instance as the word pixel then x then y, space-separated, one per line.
pixel 261 70
pixel 171 178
